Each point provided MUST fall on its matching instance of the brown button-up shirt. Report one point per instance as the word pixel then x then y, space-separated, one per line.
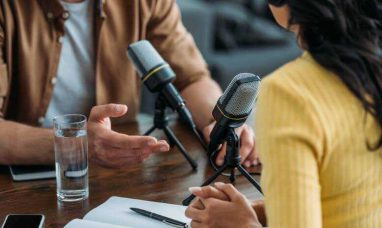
pixel 30 39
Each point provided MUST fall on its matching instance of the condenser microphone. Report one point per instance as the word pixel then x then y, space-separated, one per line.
pixel 231 112
pixel 233 108
pixel 157 75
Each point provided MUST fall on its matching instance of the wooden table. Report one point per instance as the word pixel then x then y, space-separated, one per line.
pixel 163 178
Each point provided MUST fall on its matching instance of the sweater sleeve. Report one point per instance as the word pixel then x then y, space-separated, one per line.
pixel 290 142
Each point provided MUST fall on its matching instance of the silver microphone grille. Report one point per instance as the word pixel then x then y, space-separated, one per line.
pixel 145 57
pixel 239 97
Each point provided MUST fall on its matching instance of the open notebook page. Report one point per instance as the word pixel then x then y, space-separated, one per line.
pixel 79 223
pixel 116 210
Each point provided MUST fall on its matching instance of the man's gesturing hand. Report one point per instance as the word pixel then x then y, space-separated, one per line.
pixel 111 149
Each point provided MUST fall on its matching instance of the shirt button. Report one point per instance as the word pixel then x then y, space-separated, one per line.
pixel 41 120
pixel 49 15
pixel 61 39
pixel 65 15
pixel 53 81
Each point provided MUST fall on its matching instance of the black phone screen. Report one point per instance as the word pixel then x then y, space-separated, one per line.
pixel 25 221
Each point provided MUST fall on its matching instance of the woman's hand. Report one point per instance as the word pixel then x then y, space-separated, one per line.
pixel 259 208
pixel 236 211
pixel 205 192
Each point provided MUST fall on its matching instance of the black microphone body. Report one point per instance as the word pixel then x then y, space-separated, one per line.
pixel 158 76
pixel 233 108
pixel 177 103
pixel 231 112
pixel 221 129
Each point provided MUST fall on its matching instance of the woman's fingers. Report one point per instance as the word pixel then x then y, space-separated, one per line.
pixel 259 208
pixel 229 190
pixel 195 214
pixel 208 192
pixel 195 224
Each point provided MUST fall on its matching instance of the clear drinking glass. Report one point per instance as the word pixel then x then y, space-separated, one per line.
pixel 71 155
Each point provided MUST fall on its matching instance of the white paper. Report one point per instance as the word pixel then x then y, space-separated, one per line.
pixel 79 223
pixel 116 210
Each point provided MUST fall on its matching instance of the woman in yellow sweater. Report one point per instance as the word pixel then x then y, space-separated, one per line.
pixel 318 126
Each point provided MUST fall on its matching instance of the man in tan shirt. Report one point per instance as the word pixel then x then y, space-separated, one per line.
pixel 32 37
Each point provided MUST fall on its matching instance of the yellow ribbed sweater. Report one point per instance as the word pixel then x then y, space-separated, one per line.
pixel 311 133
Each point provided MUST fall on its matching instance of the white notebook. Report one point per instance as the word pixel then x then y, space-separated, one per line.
pixel 116 213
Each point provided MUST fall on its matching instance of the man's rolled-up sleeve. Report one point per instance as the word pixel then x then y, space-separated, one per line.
pixel 175 44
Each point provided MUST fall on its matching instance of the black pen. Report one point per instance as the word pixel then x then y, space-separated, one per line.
pixel 161 218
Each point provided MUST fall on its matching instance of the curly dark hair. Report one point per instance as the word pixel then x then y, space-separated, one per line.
pixel 345 36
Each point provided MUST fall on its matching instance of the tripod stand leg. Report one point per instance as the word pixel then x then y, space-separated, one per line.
pixel 232 177
pixel 172 137
pixel 249 178
pixel 188 200
pixel 150 131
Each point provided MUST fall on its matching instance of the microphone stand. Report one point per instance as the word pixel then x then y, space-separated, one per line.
pixel 231 161
pixel 161 123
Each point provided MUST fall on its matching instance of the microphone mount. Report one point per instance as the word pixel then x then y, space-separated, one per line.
pixel 157 75
pixel 232 162
pixel 161 122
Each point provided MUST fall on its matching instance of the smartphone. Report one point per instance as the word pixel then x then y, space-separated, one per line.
pixel 24 221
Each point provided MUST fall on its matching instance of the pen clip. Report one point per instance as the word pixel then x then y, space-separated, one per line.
pixel 175 225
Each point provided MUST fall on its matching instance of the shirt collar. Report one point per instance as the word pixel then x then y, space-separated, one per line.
pixel 53 8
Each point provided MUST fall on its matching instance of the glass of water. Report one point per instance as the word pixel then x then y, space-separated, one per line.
pixel 71 155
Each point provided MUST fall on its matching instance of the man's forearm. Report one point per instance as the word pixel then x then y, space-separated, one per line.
pixel 22 144
pixel 201 98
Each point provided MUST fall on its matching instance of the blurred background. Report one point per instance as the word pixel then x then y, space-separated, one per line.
pixel 234 36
